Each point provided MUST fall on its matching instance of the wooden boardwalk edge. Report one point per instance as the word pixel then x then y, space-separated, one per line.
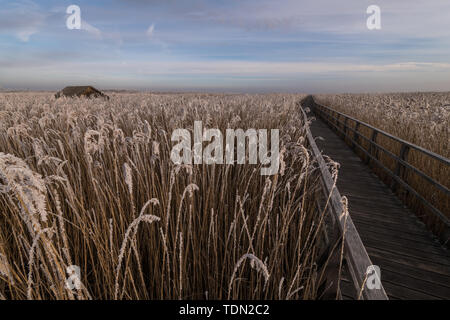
pixel 358 260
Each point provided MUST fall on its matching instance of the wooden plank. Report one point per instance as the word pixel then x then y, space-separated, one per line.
pixel 364 226
pixel 397 216
pixel 394 219
pixel 422 253
pixel 404 293
pixel 375 190
pixel 405 228
pixel 380 204
pixel 426 266
pixel 419 285
pixel 424 246
pixel 412 271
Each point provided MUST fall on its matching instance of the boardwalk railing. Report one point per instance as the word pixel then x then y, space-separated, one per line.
pixel 341 124
pixel 354 252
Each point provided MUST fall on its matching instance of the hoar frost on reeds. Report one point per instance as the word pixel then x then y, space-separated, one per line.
pixel 74 174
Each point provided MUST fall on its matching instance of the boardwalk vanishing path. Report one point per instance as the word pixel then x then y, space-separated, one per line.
pixel 414 265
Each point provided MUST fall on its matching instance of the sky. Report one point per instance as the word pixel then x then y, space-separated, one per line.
pixel 227 45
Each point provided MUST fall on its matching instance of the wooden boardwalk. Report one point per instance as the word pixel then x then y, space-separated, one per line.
pixel 413 264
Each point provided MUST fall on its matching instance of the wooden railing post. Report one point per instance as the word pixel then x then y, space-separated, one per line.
pixel 335 123
pixel 355 135
pixel 336 119
pixel 345 128
pixel 399 168
pixel 338 123
pixel 373 139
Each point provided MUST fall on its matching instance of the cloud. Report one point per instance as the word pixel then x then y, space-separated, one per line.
pixel 242 76
pixel 150 30
pixel 23 19
pixel 414 18
pixel 290 68
pixel 24 35
pixel 90 29
pixel 265 68
pixel 231 68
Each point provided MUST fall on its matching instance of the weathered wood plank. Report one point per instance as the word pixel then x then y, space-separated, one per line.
pixel 426 266
pixel 415 284
pixel 371 222
pixel 421 254
pixel 395 236
pixel 412 271
pixel 404 293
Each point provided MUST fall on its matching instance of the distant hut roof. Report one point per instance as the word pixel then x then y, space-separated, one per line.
pixel 80 91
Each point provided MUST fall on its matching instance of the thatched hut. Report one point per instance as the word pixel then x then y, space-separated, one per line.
pixel 80 91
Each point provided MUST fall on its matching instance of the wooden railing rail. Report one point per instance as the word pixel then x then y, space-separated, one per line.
pixel 339 122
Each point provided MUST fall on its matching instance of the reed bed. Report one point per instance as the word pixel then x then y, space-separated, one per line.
pixel 419 118
pixel 90 183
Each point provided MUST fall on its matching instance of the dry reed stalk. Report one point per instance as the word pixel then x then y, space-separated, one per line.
pixel 255 263
pixel 31 258
pixel 143 218
pixel 101 160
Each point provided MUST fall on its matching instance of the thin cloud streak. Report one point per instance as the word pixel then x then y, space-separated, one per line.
pixel 90 29
pixel 150 30
pixel 23 19
pixel 226 68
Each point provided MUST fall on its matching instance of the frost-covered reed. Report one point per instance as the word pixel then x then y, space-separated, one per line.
pixel 74 172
